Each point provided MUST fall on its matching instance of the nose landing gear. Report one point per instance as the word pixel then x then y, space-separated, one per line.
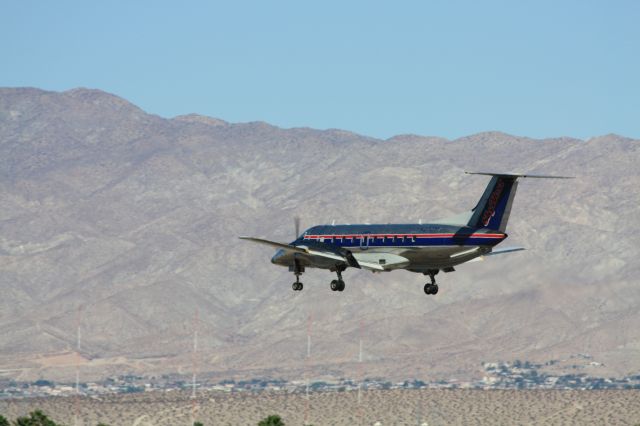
pixel 297 271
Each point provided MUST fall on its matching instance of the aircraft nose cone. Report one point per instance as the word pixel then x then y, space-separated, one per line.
pixel 277 256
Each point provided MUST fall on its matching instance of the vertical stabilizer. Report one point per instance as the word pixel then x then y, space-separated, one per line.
pixel 494 207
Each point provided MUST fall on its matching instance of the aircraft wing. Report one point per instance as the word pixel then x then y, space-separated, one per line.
pixel 303 250
pixel 369 261
pixel 275 244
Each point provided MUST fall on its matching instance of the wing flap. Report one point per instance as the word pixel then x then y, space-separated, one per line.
pixel 380 261
pixel 371 266
pixel 327 255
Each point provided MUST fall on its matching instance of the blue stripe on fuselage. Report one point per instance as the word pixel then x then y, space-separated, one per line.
pixel 418 242
pixel 411 235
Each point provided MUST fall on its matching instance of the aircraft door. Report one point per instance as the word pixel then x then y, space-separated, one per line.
pixel 364 241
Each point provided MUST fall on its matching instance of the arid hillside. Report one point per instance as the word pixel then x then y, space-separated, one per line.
pixel 126 224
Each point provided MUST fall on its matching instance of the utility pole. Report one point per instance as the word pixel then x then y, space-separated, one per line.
pixel 307 368
pixel 360 374
pixel 194 367
pixel 76 415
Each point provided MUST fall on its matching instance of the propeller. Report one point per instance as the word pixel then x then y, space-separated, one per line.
pixel 296 221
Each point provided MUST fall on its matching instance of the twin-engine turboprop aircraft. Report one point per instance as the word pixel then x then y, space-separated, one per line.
pixel 423 248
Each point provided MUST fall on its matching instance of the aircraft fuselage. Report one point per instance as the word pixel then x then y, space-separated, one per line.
pixel 425 246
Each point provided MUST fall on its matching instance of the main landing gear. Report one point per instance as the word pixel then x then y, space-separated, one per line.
pixel 337 285
pixel 432 287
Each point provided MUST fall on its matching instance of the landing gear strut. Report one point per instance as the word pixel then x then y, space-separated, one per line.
pixel 338 285
pixel 297 270
pixel 432 287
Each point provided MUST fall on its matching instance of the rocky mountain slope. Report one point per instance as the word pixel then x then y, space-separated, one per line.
pixel 127 224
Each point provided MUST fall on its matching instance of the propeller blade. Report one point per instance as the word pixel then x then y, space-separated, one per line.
pixel 296 220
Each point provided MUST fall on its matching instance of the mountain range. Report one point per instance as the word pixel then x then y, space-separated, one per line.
pixel 118 244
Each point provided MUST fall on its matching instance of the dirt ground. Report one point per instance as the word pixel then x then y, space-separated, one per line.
pixel 390 407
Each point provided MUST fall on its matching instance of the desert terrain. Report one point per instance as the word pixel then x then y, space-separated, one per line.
pixel 394 407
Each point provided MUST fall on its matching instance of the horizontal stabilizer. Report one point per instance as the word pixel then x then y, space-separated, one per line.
pixel 504 250
pixel 516 175
pixel 494 252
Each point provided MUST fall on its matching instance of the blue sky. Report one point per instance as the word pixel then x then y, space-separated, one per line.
pixel 434 67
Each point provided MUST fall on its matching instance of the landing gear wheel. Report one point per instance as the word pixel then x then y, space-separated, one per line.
pixel 338 285
pixel 431 288
pixel 297 269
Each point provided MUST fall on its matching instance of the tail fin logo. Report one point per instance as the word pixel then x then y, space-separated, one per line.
pixel 490 211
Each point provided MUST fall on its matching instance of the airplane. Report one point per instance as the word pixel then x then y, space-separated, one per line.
pixel 423 248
